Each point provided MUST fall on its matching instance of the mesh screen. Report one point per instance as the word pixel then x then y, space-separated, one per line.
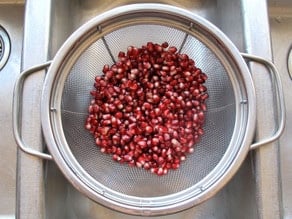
pixel 218 128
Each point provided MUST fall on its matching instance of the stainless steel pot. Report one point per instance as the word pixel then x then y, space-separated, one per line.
pixel 230 122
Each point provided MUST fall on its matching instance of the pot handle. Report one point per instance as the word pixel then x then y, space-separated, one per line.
pixel 16 113
pixel 279 97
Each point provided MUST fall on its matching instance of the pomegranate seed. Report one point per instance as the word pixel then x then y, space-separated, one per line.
pixel 200 131
pixel 121 54
pixel 156 66
pixel 172 49
pixel 204 107
pixel 146 106
pixel 116 139
pixel 142 143
pixel 106 116
pixel 153 170
pixel 103 130
pixel 105 68
pixel 146 166
pixel 109 74
pixel 88 126
pixel 191 150
pixel 148 109
pixel 201 116
pixel 116 157
pixel 138 164
pixel 155 98
pixel 158 48
pixel 175 166
pixel 148 129
pixel 165 68
pixel 166 136
pixel 150 46
pixel 160 160
pixel 97 141
pixel 182 158
pixel 128 157
pixel 126 138
pixel 155 141
pixel 164 45
pixel 195 118
pixel 155 148
pixel 160 171
pixel 204 96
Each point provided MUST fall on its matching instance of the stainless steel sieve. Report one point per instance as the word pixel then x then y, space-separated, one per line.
pixel 230 122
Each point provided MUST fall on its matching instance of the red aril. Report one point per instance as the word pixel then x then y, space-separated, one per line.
pixel 148 109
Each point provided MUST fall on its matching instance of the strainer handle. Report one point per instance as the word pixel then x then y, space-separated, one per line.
pixel 279 96
pixel 16 113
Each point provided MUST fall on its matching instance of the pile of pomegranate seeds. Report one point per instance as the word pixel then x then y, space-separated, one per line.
pixel 148 108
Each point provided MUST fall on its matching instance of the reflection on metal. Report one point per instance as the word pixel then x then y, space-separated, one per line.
pixel 4 47
pixel 290 62
pixel 1 48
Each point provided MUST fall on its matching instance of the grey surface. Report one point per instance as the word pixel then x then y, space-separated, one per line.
pixel 63 201
pixel 281 34
pixel 30 177
pixel 254 190
pixel 266 158
pixel 116 180
pixel 239 193
pixel 11 18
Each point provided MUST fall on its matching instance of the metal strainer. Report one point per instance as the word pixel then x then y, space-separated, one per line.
pixel 229 126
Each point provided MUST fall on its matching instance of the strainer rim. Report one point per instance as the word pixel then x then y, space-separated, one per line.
pixel 47 109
